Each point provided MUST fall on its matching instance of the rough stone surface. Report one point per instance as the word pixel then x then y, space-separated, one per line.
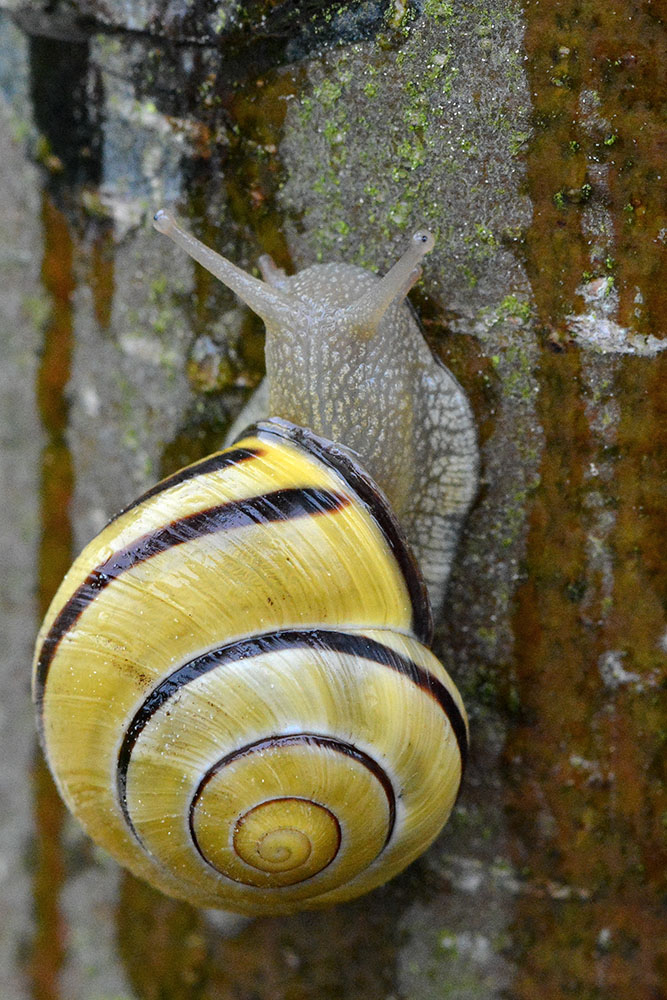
pixel 19 270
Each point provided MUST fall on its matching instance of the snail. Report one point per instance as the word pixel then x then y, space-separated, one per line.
pixel 233 684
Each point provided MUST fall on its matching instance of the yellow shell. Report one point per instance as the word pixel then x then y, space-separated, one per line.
pixel 233 688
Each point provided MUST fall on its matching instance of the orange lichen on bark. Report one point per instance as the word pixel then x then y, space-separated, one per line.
pixel 47 949
pixel 587 797
pixel 101 275
pixel 598 77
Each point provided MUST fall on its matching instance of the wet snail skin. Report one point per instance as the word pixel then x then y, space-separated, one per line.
pixel 234 686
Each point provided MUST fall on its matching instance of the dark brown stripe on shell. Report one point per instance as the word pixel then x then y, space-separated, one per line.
pixel 213 463
pixel 355 644
pixel 280 505
pixel 373 498
pixel 293 739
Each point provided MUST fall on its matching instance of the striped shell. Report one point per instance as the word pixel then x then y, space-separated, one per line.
pixel 233 685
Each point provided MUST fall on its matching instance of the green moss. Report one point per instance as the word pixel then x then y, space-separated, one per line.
pixel 388 181
pixel 158 288
pixel 305 109
pixel 163 322
pixel 328 92
pixel 333 133
pixel 469 275
pixel 512 306
pixel 485 235
pixel 439 10
pixel 412 153
pixel 130 439
pixel 400 214
pixel 518 141
pixel 374 192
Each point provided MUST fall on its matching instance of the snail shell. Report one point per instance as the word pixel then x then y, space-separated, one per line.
pixel 234 688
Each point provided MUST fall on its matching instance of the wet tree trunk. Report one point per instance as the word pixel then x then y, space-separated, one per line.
pixel 530 140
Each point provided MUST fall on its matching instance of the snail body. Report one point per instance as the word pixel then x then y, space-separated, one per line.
pixel 233 683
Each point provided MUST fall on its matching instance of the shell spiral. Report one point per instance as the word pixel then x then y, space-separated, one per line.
pixel 234 688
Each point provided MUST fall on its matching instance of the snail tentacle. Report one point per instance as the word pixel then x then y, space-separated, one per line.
pixel 274 305
pixel 367 313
